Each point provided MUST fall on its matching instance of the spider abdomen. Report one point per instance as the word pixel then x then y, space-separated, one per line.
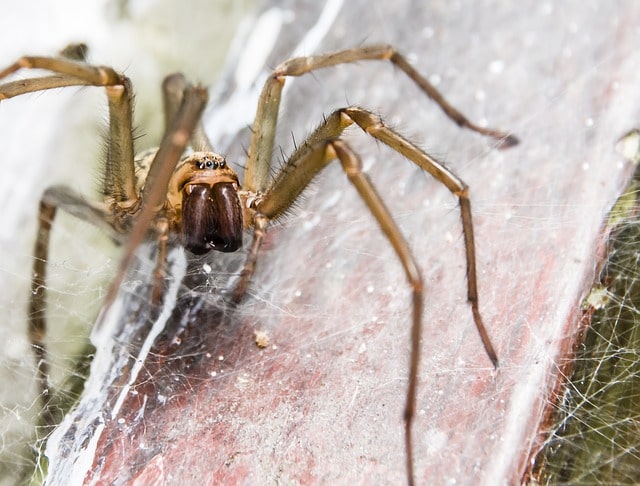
pixel 211 218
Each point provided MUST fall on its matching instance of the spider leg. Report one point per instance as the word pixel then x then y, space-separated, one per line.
pixel 54 198
pixel 374 126
pixel 119 184
pixel 173 88
pixel 298 172
pixel 262 140
pixel 307 162
pixel 260 224
pixel 154 193
pixel 160 270
pixel 119 181
pixel 352 165
pixel 321 147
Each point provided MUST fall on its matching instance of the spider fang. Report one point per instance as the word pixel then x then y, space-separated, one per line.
pixel 211 218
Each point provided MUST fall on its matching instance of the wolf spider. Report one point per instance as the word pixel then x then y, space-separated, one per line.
pixel 197 200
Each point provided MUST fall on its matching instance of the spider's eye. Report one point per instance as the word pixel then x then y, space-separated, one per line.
pixel 210 164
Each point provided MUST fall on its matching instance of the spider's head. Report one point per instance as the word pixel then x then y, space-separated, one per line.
pixel 212 215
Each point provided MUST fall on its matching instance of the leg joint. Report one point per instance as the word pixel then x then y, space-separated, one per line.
pixel 463 192
pixel 350 161
pixel 365 119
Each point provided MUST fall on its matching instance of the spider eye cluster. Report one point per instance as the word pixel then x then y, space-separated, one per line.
pixel 208 163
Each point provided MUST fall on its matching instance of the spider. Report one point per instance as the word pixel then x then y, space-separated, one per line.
pixel 195 199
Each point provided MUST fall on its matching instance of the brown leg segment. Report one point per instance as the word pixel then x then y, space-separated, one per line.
pixel 353 168
pixel 37 308
pixel 119 180
pixel 260 223
pixel 173 88
pixel 304 164
pixel 54 198
pixel 155 190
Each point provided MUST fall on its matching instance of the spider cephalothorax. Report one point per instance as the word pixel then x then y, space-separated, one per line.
pixel 197 200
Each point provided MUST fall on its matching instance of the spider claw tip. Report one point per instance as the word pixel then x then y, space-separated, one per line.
pixel 508 141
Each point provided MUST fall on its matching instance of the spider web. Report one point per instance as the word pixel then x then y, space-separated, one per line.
pixel 593 433
pixel 358 292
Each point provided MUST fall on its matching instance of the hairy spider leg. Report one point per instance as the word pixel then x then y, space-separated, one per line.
pixel 154 193
pixel 73 203
pixel 173 88
pixel 321 147
pixel 119 170
pixel 305 163
pixel 121 199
